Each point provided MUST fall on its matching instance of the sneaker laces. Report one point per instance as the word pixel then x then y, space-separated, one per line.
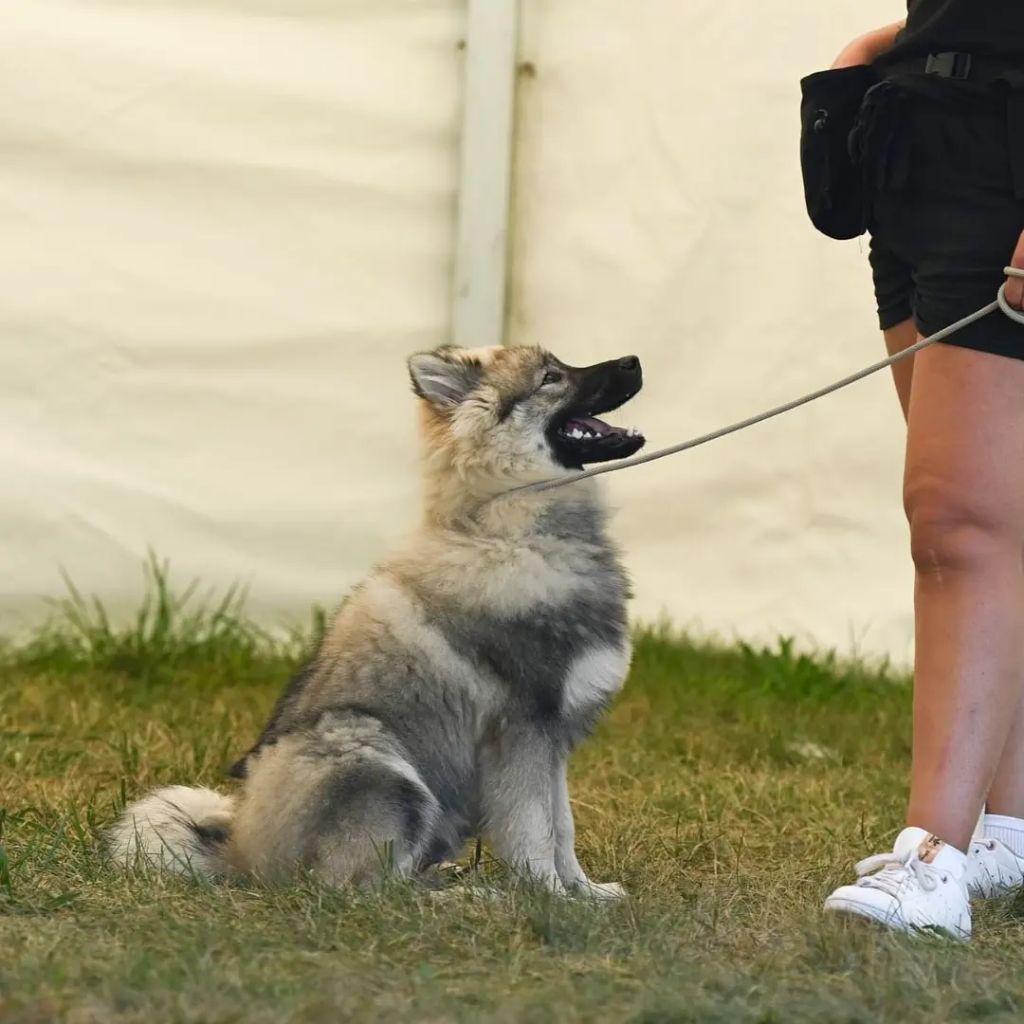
pixel 891 871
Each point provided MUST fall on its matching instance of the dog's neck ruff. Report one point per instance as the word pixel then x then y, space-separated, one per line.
pixel 530 512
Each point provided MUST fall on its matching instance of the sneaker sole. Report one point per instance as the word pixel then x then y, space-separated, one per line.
pixel 892 922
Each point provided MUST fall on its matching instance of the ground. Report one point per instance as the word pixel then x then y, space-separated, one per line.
pixel 729 789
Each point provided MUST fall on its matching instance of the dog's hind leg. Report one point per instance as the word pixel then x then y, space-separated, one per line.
pixel 350 815
pixel 373 823
pixel 517 768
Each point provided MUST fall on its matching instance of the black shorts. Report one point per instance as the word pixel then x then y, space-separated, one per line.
pixel 945 217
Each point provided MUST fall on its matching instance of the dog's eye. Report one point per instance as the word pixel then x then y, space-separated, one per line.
pixel 552 377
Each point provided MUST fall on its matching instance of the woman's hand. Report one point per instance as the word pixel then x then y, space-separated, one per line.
pixel 857 52
pixel 1015 285
pixel 869 47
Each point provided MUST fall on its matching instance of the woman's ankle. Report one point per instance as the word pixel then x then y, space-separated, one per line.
pixel 951 830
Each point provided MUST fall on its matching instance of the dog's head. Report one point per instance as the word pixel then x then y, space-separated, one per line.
pixel 518 414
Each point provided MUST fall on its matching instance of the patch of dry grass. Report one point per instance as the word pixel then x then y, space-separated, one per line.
pixel 728 789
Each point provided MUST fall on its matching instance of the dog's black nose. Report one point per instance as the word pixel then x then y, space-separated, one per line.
pixel 629 363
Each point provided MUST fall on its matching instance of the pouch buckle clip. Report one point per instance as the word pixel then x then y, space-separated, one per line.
pixel 948 64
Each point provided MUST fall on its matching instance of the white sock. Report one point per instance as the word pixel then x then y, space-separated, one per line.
pixel 1007 830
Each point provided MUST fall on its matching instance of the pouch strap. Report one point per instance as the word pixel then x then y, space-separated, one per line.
pixel 978 68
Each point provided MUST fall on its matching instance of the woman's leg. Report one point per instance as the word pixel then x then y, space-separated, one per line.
pixel 1006 795
pixel 964 494
pixel 896 340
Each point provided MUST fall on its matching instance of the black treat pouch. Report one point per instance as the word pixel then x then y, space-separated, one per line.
pixel 833 182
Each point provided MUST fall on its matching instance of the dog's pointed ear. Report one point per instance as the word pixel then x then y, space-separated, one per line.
pixel 442 379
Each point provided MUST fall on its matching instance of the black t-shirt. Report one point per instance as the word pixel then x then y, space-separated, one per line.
pixel 991 27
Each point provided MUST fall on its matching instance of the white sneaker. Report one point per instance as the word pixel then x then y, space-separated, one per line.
pixel 993 869
pixel 918 887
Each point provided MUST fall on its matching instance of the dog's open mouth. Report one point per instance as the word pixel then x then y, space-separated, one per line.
pixel 576 434
pixel 579 440
pixel 589 432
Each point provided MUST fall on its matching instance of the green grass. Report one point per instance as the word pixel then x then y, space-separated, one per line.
pixel 729 789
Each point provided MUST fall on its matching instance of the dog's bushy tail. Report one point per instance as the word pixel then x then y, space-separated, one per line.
pixel 178 829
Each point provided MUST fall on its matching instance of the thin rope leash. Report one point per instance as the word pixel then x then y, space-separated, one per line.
pixel 999 302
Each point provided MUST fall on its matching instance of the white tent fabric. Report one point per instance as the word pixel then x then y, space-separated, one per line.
pixel 225 224
pixel 659 211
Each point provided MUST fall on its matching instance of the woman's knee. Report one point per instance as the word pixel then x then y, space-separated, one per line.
pixel 954 532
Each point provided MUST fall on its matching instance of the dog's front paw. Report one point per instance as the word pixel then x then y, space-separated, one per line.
pixel 602 890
